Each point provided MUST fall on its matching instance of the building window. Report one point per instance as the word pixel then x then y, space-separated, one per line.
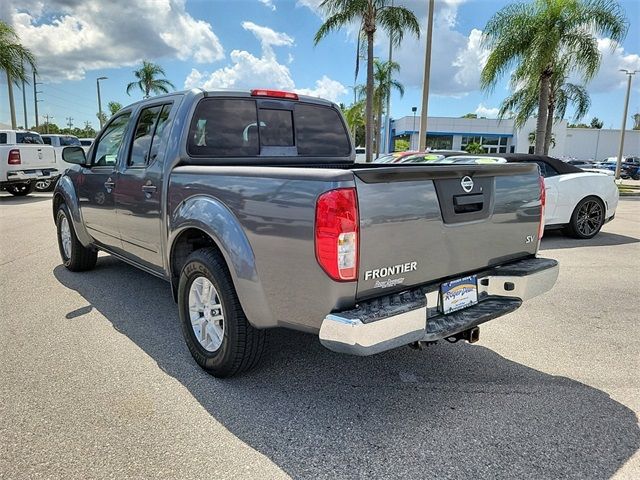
pixel 490 144
pixel 440 142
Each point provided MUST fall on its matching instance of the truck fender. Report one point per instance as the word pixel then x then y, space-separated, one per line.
pixel 65 190
pixel 212 217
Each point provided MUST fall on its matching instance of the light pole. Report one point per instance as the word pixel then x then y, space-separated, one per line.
pixel 387 121
pixel 35 97
pixel 99 101
pixel 425 83
pixel 629 74
pixel 413 130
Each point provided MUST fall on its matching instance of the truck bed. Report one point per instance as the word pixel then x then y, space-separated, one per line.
pixel 408 214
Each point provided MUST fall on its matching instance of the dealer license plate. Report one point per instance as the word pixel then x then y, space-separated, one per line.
pixel 458 294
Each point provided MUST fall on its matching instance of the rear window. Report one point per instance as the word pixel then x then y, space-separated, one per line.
pixel 224 128
pixel 69 142
pixel 237 128
pixel 28 137
pixel 320 132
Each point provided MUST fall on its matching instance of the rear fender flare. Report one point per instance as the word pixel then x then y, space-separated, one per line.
pixel 213 218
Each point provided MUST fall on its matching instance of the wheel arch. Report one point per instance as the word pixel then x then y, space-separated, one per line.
pixel 201 222
pixel 65 192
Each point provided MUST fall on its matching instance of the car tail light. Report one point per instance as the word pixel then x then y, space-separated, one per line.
pixel 274 93
pixel 543 201
pixel 336 233
pixel 14 157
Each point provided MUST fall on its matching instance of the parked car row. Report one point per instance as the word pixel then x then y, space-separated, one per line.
pixel 579 201
pixel 30 161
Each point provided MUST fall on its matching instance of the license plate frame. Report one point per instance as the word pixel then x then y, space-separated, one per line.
pixel 458 294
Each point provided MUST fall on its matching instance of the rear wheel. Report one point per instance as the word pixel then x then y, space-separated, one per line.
pixel 216 330
pixel 75 256
pixel 21 189
pixel 587 218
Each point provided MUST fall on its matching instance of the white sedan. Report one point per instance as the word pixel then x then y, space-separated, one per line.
pixel 579 202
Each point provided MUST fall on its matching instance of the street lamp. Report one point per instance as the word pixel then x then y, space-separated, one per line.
pixel 99 101
pixel 413 130
pixel 629 74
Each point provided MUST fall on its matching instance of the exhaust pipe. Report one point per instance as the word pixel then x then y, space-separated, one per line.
pixel 471 335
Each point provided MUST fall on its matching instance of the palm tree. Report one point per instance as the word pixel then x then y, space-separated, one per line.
pixel 369 14
pixel 384 83
pixel 523 102
pixel 354 115
pixel 531 38
pixel 114 107
pixel 13 57
pixel 147 81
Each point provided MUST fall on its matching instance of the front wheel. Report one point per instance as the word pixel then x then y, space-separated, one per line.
pixel 216 330
pixel 587 218
pixel 75 256
pixel 21 189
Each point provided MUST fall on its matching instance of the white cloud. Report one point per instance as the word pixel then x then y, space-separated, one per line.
pixel 325 88
pixel 249 71
pixel 71 37
pixel 456 58
pixel 609 76
pixel 268 4
pixel 487 112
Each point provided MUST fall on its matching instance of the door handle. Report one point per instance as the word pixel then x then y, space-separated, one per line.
pixel 149 189
pixel 109 184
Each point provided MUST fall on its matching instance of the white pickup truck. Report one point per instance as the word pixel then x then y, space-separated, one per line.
pixel 58 142
pixel 25 160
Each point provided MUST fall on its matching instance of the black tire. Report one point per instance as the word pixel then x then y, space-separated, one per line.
pixel 21 189
pixel 587 218
pixel 242 345
pixel 80 258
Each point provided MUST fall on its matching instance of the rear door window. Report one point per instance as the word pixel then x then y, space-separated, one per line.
pixel 139 154
pixel 320 132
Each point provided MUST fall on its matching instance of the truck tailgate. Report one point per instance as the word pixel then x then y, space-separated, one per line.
pixel 35 155
pixel 423 223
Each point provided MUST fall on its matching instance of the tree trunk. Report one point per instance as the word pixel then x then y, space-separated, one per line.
pixel 378 133
pixel 12 105
pixel 543 110
pixel 549 129
pixel 368 134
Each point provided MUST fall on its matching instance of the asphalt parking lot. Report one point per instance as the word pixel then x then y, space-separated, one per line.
pixel 96 381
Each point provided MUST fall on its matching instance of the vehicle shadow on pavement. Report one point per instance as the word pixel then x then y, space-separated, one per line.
pixel 450 411
pixel 9 199
pixel 557 240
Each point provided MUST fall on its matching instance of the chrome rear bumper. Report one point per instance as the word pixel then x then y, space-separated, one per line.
pixel 396 320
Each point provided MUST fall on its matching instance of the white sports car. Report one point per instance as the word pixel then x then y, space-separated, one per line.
pixel 579 202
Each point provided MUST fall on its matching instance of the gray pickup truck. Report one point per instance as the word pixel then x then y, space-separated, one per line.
pixel 251 206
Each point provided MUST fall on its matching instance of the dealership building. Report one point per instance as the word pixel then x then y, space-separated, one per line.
pixel 501 136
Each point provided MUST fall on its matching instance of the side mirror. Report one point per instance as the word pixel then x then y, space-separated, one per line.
pixel 74 155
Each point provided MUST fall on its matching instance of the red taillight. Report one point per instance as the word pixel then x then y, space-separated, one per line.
pixel 336 233
pixel 543 201
pixel 14 157
pixel 274 93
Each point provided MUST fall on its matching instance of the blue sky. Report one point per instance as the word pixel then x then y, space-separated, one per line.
pixel 266 43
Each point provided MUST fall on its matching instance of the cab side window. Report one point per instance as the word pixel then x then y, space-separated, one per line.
pixel 106 151
pixel 159 141
pixel 142 137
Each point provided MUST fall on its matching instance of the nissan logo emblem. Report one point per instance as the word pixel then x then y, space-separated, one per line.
pixel 467 184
